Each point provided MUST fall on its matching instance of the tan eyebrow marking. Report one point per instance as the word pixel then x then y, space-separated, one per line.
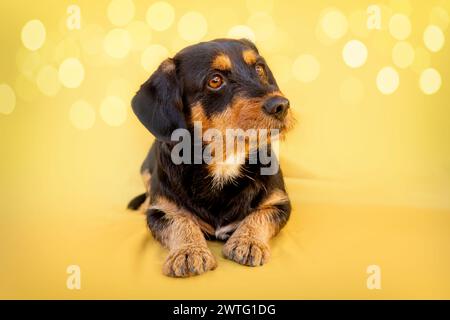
pixel 249 56
pixel 221 62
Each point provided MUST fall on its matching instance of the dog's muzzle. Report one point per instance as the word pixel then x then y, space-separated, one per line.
pixel 276 107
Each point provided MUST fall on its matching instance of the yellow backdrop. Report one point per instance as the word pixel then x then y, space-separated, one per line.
pixel 367 167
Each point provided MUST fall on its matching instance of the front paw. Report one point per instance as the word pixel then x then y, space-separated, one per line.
pixel 246 250
pixel 189 261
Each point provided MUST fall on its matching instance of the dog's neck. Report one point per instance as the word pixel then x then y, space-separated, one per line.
pixel 228 169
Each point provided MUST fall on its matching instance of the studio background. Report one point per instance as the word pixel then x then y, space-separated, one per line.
pixel 367 166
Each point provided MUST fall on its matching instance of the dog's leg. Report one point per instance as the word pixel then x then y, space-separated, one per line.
pixel 178 231
pixel 249 244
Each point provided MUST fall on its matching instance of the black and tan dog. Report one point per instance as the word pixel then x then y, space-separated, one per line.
pixel 221 84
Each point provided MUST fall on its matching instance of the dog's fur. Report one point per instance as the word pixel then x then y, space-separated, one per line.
pixel 188 203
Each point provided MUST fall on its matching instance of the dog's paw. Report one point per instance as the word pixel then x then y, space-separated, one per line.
pixel 189 261
pixel 246 250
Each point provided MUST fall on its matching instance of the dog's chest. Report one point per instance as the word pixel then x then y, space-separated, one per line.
pixel 227 170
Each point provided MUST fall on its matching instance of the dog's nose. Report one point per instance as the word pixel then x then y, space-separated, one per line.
pixel 276 106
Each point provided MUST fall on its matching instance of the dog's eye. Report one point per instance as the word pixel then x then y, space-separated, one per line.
pixel 260 71
pixel 215 82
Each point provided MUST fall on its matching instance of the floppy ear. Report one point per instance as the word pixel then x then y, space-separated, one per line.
pixel 158 104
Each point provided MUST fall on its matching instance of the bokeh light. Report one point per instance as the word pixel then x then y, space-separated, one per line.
pixel 140 35
pixel 434 38
pixel 120 12
pixel 354 53
pixel 278 43
pixel 113 111
pixel 369 93
pixel 28 62
pixel 400 26
pixel 71 73
pixel 334 24
pixel 82 115
pixel 7 99
pixel 439 17
pixel 160 16
pixel 47 80
pixel 117 43
pixel 241 31
pixel 192 26
pixel 262 25
pixel 430 81
pixel 33 35
pixel 121 42
pixel 403 54
pixel 388 80
pixel 152 56
pixel 351 91
pixel 306 68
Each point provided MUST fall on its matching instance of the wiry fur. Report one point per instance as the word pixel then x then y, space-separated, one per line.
pixel 188 203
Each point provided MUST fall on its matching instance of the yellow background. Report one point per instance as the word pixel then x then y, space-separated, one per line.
pixel 368 173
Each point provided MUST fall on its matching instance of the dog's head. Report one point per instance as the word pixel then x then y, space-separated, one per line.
pixel 223 83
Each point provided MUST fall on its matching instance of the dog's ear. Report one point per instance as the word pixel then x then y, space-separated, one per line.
pixel 158 104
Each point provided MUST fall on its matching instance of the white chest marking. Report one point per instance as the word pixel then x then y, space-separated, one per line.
pixel 228 170
pixel 223 233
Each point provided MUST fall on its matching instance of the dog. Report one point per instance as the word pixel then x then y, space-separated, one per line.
pixel 218 84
